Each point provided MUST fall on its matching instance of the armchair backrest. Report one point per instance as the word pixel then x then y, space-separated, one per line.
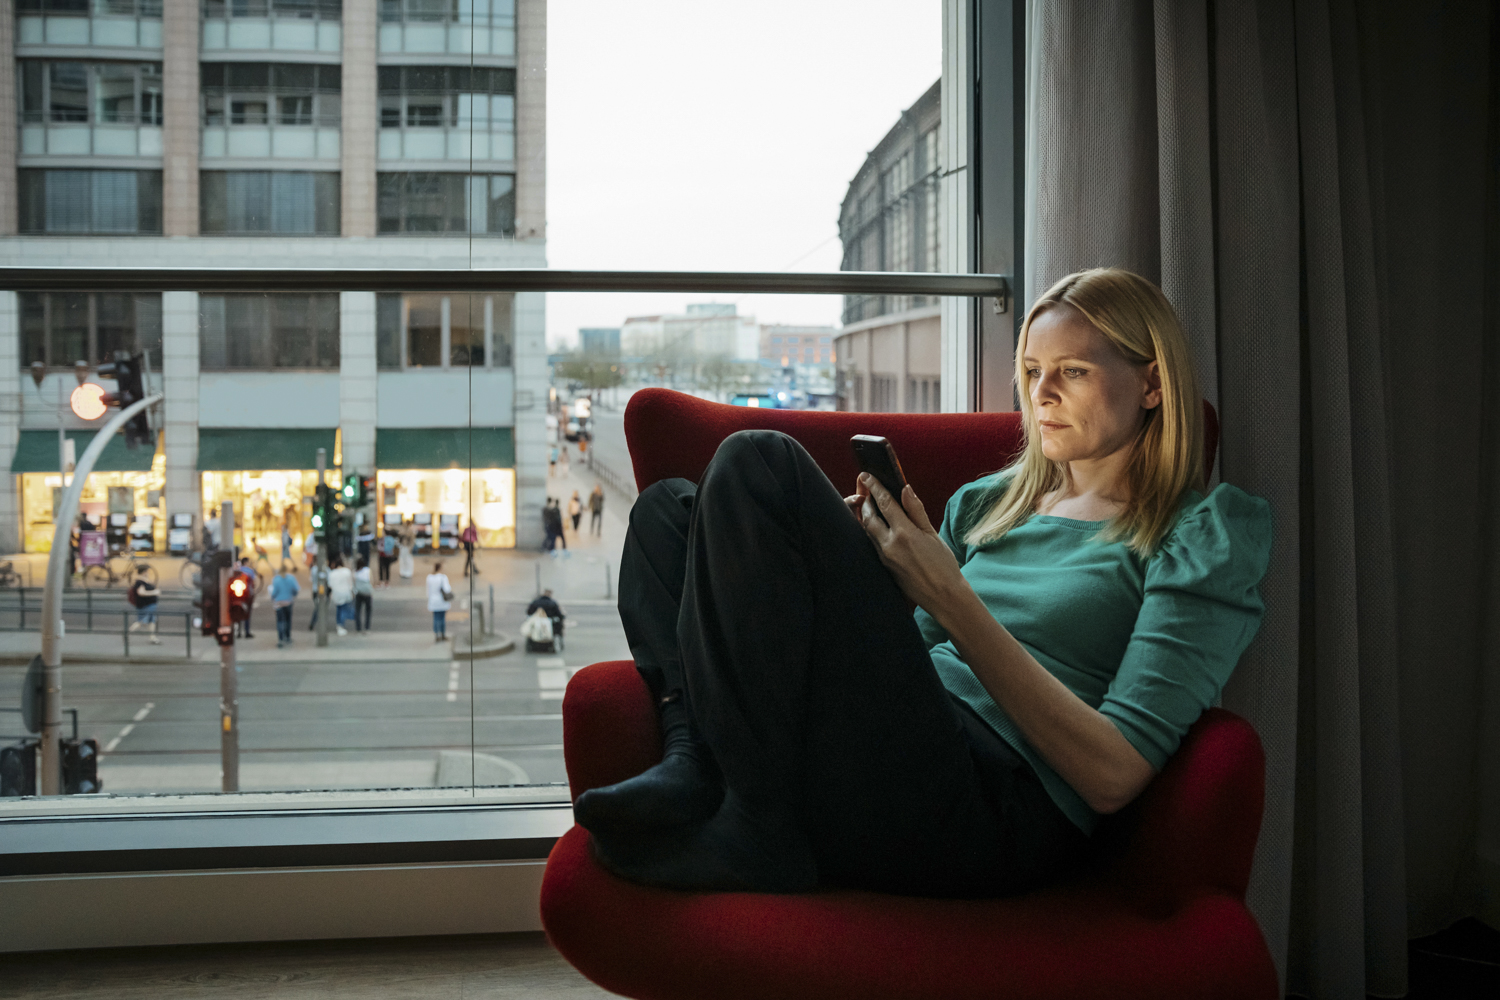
pixel 672 434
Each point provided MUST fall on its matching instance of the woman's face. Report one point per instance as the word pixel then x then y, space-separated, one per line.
pixel 1089 399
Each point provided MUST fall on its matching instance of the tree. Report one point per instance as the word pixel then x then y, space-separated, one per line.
pixel 590 371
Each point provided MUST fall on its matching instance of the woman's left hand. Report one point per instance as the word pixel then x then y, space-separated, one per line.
pixel 910 547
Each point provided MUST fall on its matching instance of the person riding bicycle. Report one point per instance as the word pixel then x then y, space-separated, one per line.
pixel 144 594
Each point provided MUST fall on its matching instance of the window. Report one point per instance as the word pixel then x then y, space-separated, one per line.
pixel 280 330
pixel 501 13
pixel 115 93
pixel 426 96
pixel 412 329
pixel 269 202
pixel 325 10
pixel 255 93
pixel 80 202
pixel 427 202
pixel 60 328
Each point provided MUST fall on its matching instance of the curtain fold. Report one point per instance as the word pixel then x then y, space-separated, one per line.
pixel 1313 184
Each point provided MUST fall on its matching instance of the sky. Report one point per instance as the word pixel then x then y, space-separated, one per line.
pixel 719 136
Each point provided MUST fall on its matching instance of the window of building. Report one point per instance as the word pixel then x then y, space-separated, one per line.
pixel 430 202
pixel 61 328
pixel 255 93
pixel 278 330
pixel 421 330
pixel 324 10
pixel 883 394
pixel 476 97
pixel 82 8
pixel 114 93
pixel 269 202
pixel 498 13
pixel 79 202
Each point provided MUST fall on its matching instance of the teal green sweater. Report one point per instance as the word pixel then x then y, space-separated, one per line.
pixel 1149 643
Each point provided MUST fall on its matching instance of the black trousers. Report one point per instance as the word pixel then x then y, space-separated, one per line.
pixel 812 686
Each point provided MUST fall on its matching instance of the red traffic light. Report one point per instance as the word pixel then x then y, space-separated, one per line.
pixel 240 596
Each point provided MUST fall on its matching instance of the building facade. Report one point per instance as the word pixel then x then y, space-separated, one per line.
pixel 889 348
pixel 286 133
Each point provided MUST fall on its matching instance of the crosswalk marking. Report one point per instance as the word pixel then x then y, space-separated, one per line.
pixel 129 726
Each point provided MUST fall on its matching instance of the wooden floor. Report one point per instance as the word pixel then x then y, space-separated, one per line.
pixel 449 968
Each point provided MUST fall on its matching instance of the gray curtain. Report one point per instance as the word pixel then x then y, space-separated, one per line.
pixel 1313 183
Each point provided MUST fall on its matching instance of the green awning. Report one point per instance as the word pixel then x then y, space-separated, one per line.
pixel 445 448
pixel 36 451
pixel 256 449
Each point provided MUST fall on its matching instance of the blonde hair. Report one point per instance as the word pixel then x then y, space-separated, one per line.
pixel 1167 455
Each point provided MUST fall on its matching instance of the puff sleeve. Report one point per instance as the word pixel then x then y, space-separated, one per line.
pixel 1200 609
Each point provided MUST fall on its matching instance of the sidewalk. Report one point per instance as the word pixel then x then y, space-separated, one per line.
pixel 586 571
pixel 18 648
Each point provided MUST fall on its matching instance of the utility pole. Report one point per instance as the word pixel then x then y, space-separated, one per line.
pixel 320 585
pixel 229 693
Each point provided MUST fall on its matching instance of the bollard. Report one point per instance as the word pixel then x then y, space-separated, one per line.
pixel 124 630
pixel 492 606
pixel 538 568
pixel 609 583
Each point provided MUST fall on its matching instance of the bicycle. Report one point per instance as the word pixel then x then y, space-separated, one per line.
pixel 119 567
pixel 8 575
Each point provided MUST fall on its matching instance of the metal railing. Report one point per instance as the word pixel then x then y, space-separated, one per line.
pixel 22 612
pixel 620 484
pixel 510 279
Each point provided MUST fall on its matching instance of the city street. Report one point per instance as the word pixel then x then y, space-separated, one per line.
pixel 388 709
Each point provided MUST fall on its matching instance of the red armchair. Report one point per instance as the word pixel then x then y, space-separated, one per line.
pixel 1160 913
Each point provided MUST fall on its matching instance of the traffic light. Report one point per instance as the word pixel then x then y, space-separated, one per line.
pixel 366 490
pixel 128 371
pixel 80 766
pixel 208 601
pixel 321 511
pixel 241 593
pixel 351 490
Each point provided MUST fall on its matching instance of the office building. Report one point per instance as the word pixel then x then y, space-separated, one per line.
pixel 285 133
pixel 890 345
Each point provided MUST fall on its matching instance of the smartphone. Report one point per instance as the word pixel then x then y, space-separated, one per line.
pixel 876 456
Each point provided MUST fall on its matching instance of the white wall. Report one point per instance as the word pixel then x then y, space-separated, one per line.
pixel 268 399
pixel 435 398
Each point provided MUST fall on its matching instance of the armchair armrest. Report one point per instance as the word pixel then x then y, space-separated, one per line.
pixel 610 729
pixel 1194 828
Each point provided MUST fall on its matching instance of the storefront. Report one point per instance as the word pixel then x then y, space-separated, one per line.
pixel 124 481
pixel 462 472
pixel 269 475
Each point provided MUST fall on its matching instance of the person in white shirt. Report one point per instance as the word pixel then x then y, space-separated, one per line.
pixel 364 595
pixel 341 592
pixel 439 600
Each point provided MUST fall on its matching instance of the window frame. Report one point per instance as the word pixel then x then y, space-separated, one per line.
pixel 235 822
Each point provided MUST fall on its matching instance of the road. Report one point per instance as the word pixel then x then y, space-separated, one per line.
pixel 321 724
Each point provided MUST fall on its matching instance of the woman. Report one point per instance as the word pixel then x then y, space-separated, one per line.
pixel 284 590
pixel 341 593
pixel 405 565
pixel 387 556
pixel 575 511
pixel 439 600
pixel 1076 613
pixel 364 595
pixel 470 538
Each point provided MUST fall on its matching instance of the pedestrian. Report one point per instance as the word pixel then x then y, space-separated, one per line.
pixel 144 595
pixel 364 595
pixel 439 600
pixel 549 541
pixel 575 511
pixel 469 538
pixel 284 590
pixel 406 565
pixel 596 510
pixel 310 550
pixel 341 593
pixel 211 538
pixel 552 462
pixel 562 461
pixel 387 555
pixel 286 542
pixel 364 540
pixel 249 571
pixel 553 514
pixel 318 582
